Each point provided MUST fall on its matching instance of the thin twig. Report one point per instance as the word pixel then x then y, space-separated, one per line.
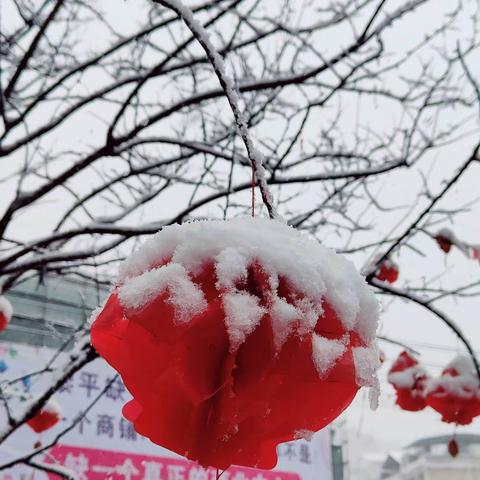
pixel 256 158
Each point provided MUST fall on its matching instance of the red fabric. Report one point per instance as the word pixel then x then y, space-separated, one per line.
pixel 453 448
pixel 196 397
pixel 444 243
pixel 411 398
pixel 3 322
pixel 454 408
pixel 403 361
pixel 387 273
pixel 43 420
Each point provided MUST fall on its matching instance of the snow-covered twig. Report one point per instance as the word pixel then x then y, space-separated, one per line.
pixel 82 354
pixel 396 342
pixel 397 292
pixel 402 238
pixel 26 459
pixel 256 158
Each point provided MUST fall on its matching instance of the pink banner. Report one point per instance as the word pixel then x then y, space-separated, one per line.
pixel 93 464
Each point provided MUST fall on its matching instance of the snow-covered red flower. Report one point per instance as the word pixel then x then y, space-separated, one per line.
pixel 46 418
pixel 445 239
pixel 233 336
pixel 456 393
pixel 387 271
pixel 408 378
pixel 6 311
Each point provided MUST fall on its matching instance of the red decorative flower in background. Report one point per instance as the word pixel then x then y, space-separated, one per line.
pixel 46 418
pixel 456 393
pixel 408 378
pixel 445 239
pixel 453 449
pixel 387 271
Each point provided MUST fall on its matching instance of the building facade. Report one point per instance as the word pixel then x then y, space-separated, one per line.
pixel 429 459
pixel 48 312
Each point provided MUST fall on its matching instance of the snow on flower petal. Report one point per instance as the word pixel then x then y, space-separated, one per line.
pixel 185 296
pixel 242 315
pixel 325 352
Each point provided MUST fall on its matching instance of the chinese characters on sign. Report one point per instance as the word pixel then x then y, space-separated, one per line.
pixel 93 464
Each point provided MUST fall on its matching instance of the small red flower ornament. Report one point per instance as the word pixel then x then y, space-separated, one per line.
pixel 234 336
pixel 456 393
pixel 6 311
pixel 408 378
pixel 453 448
pixel 46 418
pixel 445 239
pixel 387 271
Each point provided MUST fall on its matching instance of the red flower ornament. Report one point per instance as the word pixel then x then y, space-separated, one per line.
pixel 408 378
pixel 6 311
pixel 453 448
pixel 234 336
pixel 456 393
pixel 46 418
pixel 445 239
pixel 387 271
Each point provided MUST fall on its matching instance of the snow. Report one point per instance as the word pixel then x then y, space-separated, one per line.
pixel 316 271
pixel 367 362
pixel 326 352
pixel 313 274
pixel 186 297
pixel 231 267
pixel 446 233
pixel 53 407
pixel 242 315
pixel 465 384
pixel 284 317
pixel 310 311
pixel 407 377
pixel 6 308
pixel 389 263
pixel 97 311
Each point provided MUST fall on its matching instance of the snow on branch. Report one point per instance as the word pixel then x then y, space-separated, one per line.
pixel 82 354
pixel 29 458
pixel 397 292
pixel 228 87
